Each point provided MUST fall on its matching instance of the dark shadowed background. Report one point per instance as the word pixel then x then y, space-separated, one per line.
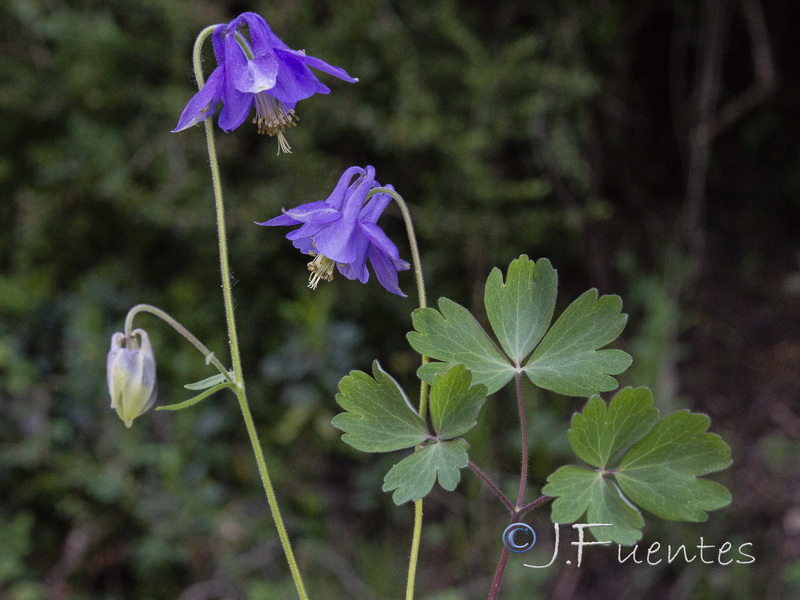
pixel 648 148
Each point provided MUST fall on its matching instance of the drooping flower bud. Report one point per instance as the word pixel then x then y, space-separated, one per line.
pixel 131 373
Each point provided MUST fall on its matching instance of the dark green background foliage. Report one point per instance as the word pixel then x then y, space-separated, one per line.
pixel 556 129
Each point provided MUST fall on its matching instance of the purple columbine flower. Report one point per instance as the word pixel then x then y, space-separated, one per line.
pixel 264 72
pixel 343 232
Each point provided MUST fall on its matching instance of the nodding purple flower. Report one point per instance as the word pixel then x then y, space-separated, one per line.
pixel 342 232
pixel 263 72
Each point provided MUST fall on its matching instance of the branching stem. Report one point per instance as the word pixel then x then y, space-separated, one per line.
pixel 492 486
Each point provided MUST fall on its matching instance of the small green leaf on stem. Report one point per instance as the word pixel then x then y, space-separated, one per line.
pixel 520 310
pixel 455 403
pixel 454 336
pixel 206 383
pixel 198 398
pixel 568 361
pixel 413 477
pixel 378 416
pixel 639 460
pixel 582 490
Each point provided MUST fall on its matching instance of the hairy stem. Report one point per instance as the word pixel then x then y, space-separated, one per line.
pixel 523 432
pixel 519 508
pixel 498 575
pixel 232 335
pixel 423 388
pixel 492 486
pixel 535 504
pixel 210 358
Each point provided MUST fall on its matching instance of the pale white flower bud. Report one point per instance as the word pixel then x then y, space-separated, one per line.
pixel 131 373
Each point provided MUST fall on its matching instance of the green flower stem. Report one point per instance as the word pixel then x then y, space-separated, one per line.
pixel 412 240
pixel 232 336
pixel 210 358
pixel 413 558
pixel 244 46
pixel 423 389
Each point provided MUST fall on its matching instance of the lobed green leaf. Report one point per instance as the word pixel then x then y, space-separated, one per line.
pixel 378 416
pixel 455 402
pixel 568 361
pixel 454 336
pixel 580 491
pixel 520 310
pixel 660 472
pixel 598 433
pixel 413 477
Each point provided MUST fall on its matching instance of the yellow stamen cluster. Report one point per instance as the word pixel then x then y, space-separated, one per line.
pixel 321 270
pixel 273 119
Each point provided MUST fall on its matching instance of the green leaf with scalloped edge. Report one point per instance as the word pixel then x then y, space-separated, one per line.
pixel 652 463
pixel 378 416
pixel 413 477
pixel 454 336
pixel 455 402
pixel 580 490
pixel 521 308
pixel 660 472
pixel 568 359
pixel 600 432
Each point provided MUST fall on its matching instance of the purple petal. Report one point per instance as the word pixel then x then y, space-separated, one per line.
pixel 204 103
pixel 374 208
pixel 235 110
pixel 400 264
pixel 385 271
pixel 320 64
pixel 355 270
pixel 260 33
pixel 218 44
pixel 357 194
pixel 314 212
pixel 237 103
pixel 305 245
pixel 280 220
pixel 258 75
pixel 376 235
pixel 295 81
pixel 306 230
pixel 336 241
pixel 339 193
